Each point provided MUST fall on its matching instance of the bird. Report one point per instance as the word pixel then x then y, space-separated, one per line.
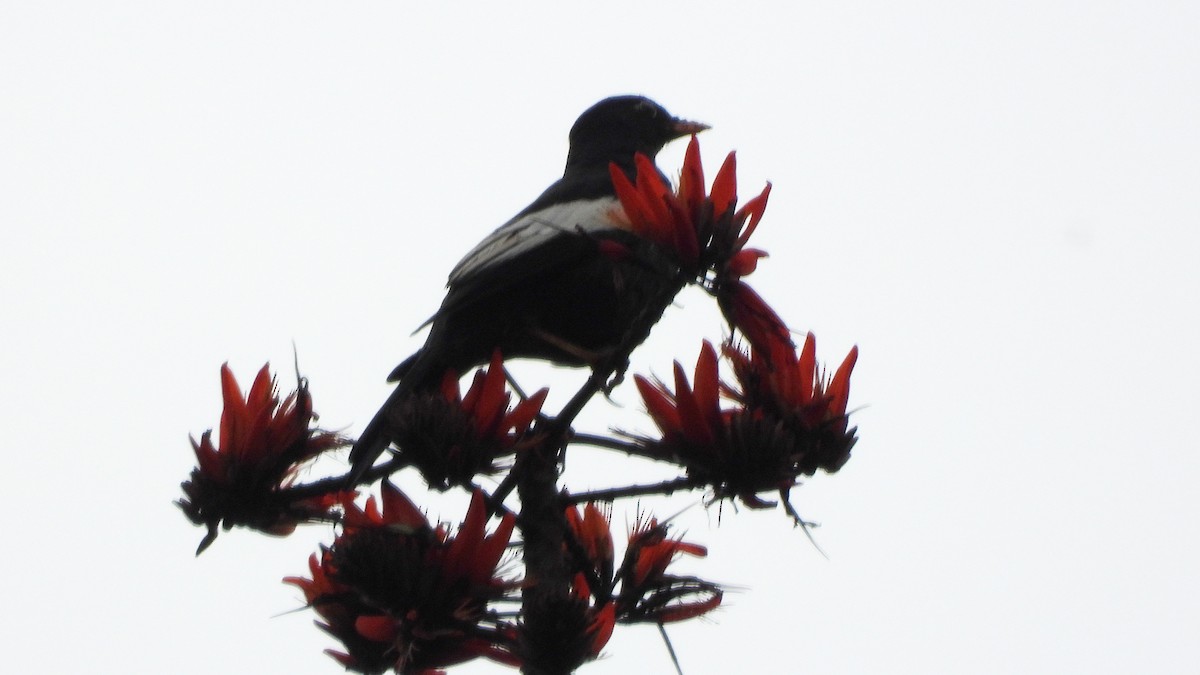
pixel 541 285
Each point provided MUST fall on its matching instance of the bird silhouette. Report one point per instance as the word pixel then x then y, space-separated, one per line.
pixel 547 284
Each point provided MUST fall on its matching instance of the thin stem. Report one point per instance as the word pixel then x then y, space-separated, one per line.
pixel 338 483
pixel 630 448
pixel 611 494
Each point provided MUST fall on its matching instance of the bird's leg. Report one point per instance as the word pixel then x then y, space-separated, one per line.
pixel 617 378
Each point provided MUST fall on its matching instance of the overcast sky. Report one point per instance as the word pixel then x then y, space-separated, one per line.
pixel 996 201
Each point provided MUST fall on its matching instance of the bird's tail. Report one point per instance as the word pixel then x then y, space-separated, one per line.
pixel 421 372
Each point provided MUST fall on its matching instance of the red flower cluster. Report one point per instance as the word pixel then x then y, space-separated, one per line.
pixel 451 438
pixel 811 406
pixel 790 422
pixel 705 232
pixel 640 590
pixel 263 445
pixel 402 595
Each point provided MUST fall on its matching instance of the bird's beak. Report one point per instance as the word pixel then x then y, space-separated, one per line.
pixel 682 128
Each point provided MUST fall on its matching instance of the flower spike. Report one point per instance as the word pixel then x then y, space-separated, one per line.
pixel 264 443
pixel 451 437
pixel 401 594
pixel 705 233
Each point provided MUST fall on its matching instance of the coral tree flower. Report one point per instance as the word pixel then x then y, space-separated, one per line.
pixel 811 405
pixel 751 316
pixel 451 438
pixel 784 427
pixel 640 590
pixel 263 445
pixel 403 595
pixel 586 626
pixel 706 233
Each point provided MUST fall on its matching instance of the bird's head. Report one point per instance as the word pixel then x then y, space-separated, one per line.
pixel 616 128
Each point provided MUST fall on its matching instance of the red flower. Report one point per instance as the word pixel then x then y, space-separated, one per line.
pixel 591 531
pixel 340 609
pixel 401 594
pixel 648 593
pixel 734 451
pixel 451 438
pixel 751 316
pixel 811 405
pixel 640 590
pixel 595 551
pixel 780 431
pixel 263 445
pixel 706 233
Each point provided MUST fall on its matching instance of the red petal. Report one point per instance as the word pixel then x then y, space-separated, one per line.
pixel 492 403
pixel 398 509
pixel 757 321
pixel 655 194
pixel 691 180
pixel 343 658
pixel 233 411
pixel 574 520
pixel 376 628
pixel 755 208
pixel 806 370
pixel 582 591
pixel 839 387
pixel 450 389
pixel 695 426
pixel 525 411
pixel 707 385
pixel 745 261
pixel 724 188
pixel 462 551
pixel 599 536
pixel 659 405
pixel 689 610
pixel 652 562
pixel 494 546
pixel 602 626
pixel 683 230
pixel 471 399
pixel 260 396
pixel 650 184
pixel 636 209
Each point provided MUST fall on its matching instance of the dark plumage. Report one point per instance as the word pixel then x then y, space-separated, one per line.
pixel 540 286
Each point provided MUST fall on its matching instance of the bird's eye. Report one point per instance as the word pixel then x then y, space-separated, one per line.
pixel 647 107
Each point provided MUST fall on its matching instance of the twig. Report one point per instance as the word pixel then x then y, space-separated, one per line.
pixel 610 494
pixel 338 483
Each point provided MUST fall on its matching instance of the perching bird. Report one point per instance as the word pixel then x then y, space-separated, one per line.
pixel 541 286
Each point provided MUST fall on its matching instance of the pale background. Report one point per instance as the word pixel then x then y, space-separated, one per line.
pixel 997 201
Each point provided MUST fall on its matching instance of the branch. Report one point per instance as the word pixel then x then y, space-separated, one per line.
pixel 611 494
pixel 338 483
pixel 630 448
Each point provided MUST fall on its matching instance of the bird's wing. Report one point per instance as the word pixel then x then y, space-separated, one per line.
pixel 530 231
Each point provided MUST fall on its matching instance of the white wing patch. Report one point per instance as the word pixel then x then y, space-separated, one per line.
pixel 522 234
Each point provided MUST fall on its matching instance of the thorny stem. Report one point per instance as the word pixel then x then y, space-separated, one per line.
pixel 611 494
pixel 608 443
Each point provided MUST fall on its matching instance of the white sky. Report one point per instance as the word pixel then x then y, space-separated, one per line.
pixel 997 201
